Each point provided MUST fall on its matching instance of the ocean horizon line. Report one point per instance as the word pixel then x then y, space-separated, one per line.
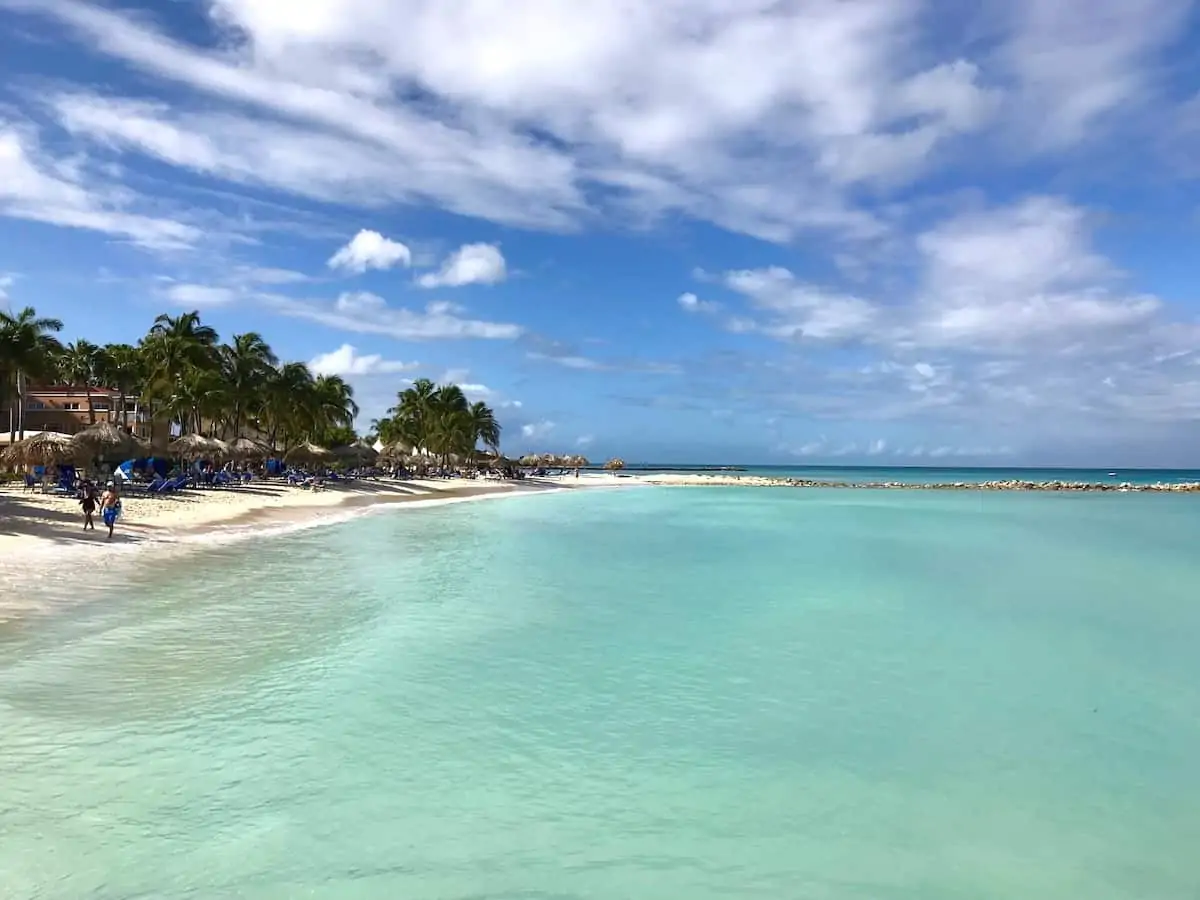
pixel 935 468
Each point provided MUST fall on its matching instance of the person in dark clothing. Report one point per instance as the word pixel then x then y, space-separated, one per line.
pixel 88 502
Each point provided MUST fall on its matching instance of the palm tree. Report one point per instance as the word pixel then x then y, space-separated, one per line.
pixel 174 346
pixel 122 367
pixel 334 402
pixel 286 403
pixel 484 428
pixel 412 411
pixel 447 421
pixel 441 420
pixel 183 374
pixel 28 349
pixel 199 395
pixel 246 364
pixel 176 343
pixel 79 365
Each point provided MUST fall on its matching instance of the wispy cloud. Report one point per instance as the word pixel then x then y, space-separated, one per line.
pixel 537 430
pixel 645 114
pixel 38 187
pixel 566 356
pixel 199 296
pixel 367 313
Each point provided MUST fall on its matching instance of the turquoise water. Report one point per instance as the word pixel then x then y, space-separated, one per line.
pixel 652 693
pixel 947 475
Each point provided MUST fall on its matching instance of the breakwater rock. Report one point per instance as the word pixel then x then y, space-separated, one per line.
pixel 1007 485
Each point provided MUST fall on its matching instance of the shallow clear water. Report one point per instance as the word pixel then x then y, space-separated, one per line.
pixel 650 693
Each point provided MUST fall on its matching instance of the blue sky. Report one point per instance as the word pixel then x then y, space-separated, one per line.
pixel 884 231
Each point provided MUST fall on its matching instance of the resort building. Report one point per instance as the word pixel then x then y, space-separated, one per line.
pixel 67 409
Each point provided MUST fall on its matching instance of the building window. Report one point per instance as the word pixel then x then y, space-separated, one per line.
pixel 35 404
pixel 100 407
pixel 74 407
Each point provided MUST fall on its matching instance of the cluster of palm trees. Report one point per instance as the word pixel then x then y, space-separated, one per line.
pixel 180 374
pixel 438 421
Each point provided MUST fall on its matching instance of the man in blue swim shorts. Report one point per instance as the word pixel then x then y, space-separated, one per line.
pixel 110 506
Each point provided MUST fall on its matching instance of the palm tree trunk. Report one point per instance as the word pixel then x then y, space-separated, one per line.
pixel 21 404
pixel 91 411
pixel 123 412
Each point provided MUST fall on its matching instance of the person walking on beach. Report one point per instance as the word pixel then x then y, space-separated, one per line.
pixel 88 503
pixel 110 506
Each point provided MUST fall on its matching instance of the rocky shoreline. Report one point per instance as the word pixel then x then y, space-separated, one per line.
pixel 1050 486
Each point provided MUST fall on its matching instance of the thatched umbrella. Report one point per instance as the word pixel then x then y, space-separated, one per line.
pixel 248 448
pixel 396 450
pixel 219 447
pixel 530 459
pixel 307 452
pixel 495 460
pixel 192 446
pixel 356 452
pixel 44 449
pixel 615 464
pixel 140 447
pixel 106 439
pixel 578 461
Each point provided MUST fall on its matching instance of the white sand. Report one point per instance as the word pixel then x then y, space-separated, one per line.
pixel 32 524
pixel 38 532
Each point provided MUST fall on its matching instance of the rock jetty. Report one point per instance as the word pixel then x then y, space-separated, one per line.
pixel 1007 485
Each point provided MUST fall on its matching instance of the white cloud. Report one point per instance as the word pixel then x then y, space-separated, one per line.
pixel 1018 274
pixel 689 302
pixel 536 430
pixel 39 188
pixel 199 296
pixel 877 447
pixel 6 281
pixel 795 310
pixel 760 117
pixel 347 361
pixel 370 250
pixel 584 440
pixel 1076 62
pixel 477 391
pixel 1011 279
pixel 469 264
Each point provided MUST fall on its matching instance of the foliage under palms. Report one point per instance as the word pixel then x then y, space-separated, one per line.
pixel 81 364
pixel 439 420
pixel 28 351
pixel 123 367
pixel 181 374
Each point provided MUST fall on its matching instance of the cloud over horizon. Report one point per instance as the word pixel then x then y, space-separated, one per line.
pixel 972 224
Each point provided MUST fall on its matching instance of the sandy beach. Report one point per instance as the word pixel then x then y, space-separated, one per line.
pixel 33 523
pixel 38 531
